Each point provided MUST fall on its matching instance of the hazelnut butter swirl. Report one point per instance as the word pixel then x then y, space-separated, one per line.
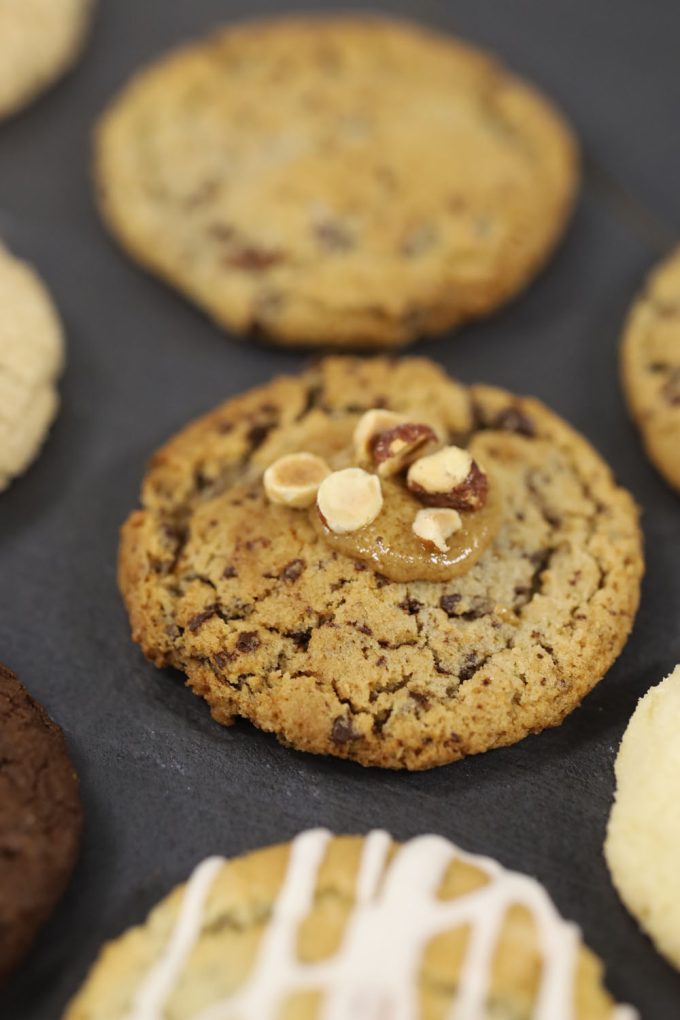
pixel 400 500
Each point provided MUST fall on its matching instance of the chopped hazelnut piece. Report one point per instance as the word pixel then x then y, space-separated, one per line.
pixel 449 478
pixel 436 525
pixel 349 499
pixel 293 480
pixel 399 446
pixel 369 427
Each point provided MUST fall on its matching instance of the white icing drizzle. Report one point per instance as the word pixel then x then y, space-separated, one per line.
pixel 374 975
pixel 151 996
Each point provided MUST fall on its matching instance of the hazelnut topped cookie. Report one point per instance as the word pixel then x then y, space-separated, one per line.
pixel 351 928
pixel 373 561
pixel 348 181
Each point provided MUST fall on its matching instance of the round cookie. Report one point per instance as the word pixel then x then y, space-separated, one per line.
pixel 351 181
pixel 39 40
pixel 650 363
pixel 40 818
pixel 31 358
pixel 643 837
pixel 271 624
pixel 346 928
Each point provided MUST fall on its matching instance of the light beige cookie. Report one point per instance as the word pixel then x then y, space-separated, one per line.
pixel 31 356
pixel 273 620
pixel 643 838
pixel 650 362
pixel 39 40
pixel 345 928
pixel 336 180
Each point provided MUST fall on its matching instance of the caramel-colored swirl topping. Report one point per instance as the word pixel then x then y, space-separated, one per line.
pixel 411 511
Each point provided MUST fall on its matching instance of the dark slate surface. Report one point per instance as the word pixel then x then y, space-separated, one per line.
pixel 164 786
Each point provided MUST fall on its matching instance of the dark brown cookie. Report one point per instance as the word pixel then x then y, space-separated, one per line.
pixel 40 818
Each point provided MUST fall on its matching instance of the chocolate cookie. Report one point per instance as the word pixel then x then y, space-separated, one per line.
pixel 351 929
pixel 336 180
pixel 40 818
pixel 650 363
pixel 270 621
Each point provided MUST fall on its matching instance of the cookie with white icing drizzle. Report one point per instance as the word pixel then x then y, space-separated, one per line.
pixel 351 928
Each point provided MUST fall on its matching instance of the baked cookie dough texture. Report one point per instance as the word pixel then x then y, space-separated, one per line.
pixel 345 928
pixel 269 623
pixel 352 180
pixel 643 838
pixel 39 40
pixel 650 364
pixel 31 359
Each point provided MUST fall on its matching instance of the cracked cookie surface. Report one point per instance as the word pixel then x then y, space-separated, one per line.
pixel 31 358
pixel 650 364
pixel 353 181
pixel 39 40
pixel 218 947
pixel 271 624
pixel 40 818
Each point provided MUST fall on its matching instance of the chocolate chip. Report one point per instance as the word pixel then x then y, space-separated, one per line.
pixel 512 419
pixel 381 661
pixel 199 619
pixel 248 641
pixel 300 637
pixel 229 571
pixel 292 571
pixel 455 738
pixel 253 258
pixel 342 731
pixel 364 628
pixel 671 389
pixel 449 603
pixel 469 667
pixel 258 432
pixel 410 605
pixel 222 659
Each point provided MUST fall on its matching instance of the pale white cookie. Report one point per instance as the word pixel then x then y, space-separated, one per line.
pixel 39 40
pixel 643 839
pixel 31 358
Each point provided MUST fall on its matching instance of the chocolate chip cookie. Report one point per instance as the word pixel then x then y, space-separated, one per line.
pixel 351 928
pixel 349 181
pixel 40 818
pixel 272 623
pixel 39 40
pixel 650 362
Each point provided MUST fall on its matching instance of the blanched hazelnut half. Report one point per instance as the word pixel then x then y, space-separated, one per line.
pixel 369 427
pixel 399 446
pixel 349 499
pixel 449 478
pixel 436 525
pixel 293 480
